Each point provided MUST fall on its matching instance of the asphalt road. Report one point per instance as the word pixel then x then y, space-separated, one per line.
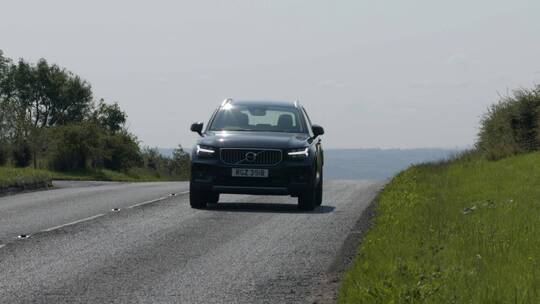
pixel 156 249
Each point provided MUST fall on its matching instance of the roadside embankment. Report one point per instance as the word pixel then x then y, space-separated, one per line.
pixel 14 180
pixel 465 231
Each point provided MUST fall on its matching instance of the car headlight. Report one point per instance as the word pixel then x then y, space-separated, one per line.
pixel 298 153
pixel 205 151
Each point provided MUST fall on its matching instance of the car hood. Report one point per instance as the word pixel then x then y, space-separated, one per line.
pixel 243 139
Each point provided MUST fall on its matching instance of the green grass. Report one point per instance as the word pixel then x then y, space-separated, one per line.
pixel 463 232
pixel 22 177
pixel 15 177
pixel 134 175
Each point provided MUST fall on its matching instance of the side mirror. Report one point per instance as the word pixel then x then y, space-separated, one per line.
pixel 197 127
pixel 317 130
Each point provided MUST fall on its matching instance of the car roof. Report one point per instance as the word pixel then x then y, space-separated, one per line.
pixel 292 104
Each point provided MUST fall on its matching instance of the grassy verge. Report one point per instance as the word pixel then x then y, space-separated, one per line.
pixel 463 232
pixel 22 178
pixel 25 177
pixel 135 175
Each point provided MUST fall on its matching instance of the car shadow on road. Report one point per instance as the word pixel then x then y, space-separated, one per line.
pixel 266 207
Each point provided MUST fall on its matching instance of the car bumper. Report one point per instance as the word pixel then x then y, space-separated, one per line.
pixel 287 178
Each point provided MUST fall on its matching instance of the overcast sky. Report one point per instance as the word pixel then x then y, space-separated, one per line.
pixel 390 74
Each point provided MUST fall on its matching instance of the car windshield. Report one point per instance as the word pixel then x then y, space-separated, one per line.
pixel 257 118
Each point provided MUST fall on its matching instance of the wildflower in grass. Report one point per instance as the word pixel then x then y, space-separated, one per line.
pixel 469 210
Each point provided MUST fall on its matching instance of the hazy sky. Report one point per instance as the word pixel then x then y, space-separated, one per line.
pixel 373 73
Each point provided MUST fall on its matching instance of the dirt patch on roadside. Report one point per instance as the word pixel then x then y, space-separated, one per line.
pixel 327 289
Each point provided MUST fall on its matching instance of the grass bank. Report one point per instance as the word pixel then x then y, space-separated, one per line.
pixel 22 178
pixel 463 232
pixel 27 178
pixel 134 175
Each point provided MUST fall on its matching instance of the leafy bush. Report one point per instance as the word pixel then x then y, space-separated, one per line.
pixel 89 146
pixel 152 159
pixel 22 154
pixel 77 147
pixel 180 163
pixel 122 152
pixel 174 167
pixel 512 126
pixel 4 152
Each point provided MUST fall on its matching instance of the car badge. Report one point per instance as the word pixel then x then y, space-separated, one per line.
pixel 250 157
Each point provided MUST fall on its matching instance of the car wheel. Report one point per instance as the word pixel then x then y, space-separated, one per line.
pixel 319 192
pixel 197 199
pixel 307 200
pixel 213 198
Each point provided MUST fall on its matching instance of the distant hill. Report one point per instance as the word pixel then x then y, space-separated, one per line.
pixel 374 164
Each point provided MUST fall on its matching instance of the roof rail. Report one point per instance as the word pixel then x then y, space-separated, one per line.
pixel 226 101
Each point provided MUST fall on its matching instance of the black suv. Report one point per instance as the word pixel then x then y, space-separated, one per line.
pixel 249 147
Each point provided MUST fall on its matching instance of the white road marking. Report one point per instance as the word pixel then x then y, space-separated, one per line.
pixel 75 222
pixel 2 246
pixel 155 200
pixel 148 202
pixel 102 214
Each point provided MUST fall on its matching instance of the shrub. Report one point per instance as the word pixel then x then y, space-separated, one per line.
pixel 512 126
pixel 179 164
pixel 3 153
pixel 122 152
pixel 22 154
pixel 77 147
pixel 153 160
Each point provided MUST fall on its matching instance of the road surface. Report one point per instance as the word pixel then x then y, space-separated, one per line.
pixel 153 248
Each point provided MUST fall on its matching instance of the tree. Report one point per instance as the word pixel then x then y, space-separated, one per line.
pixel 122 151
pixel 76 147
pixel 48 95
pixel 48 115
pixel 110 117
pixel 74 104
pixel 6 110
pixel 22 153
pixel 152 159
pixel 179 164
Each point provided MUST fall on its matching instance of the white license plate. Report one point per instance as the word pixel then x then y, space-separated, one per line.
pixel 241 172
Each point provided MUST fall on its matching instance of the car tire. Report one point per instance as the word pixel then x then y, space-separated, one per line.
pixel 319 192
pixel 197 199
pixel 213 198
pixel 307 200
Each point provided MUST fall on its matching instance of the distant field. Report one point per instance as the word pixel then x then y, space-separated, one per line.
pixel 464 232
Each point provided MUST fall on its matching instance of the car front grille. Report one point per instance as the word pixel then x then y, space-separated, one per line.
pixel 257 157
